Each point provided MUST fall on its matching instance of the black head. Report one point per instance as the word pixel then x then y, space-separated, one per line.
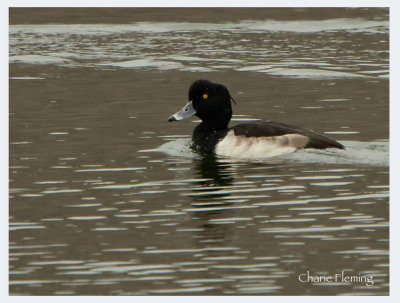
pixel 209 101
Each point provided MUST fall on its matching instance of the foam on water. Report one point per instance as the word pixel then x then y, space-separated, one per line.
pixel 299 26
pixel 309 73
pixel 38 59
pixel 138 49
pixel 178 148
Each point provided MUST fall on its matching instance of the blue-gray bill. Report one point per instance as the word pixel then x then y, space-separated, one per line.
pixel 186 112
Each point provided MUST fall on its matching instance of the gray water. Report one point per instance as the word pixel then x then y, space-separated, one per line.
pixel 108 198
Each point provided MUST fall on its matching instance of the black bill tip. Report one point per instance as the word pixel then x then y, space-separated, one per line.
pixel 172 118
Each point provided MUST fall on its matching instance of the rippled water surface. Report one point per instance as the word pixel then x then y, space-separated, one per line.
pixel 107 197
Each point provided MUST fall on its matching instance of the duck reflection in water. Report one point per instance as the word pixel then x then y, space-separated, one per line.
pixel 216 171
pixel 211 197
pixel 216 182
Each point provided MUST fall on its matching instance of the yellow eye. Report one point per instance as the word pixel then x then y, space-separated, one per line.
pixel 205 96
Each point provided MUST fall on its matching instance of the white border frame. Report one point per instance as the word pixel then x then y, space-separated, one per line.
pixel 394 131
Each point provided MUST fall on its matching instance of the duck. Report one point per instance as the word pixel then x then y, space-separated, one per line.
pixel 212 103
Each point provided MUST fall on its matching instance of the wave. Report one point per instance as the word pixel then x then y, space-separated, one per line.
pixel 374 153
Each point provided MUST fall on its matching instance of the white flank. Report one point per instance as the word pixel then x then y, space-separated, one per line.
pixel 259 147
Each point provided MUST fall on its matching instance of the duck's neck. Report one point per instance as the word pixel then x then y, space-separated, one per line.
pixel 215 119
pixel 212 126
pixel 206 135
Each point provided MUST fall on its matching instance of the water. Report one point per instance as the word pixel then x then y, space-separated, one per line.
pixel 107 197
